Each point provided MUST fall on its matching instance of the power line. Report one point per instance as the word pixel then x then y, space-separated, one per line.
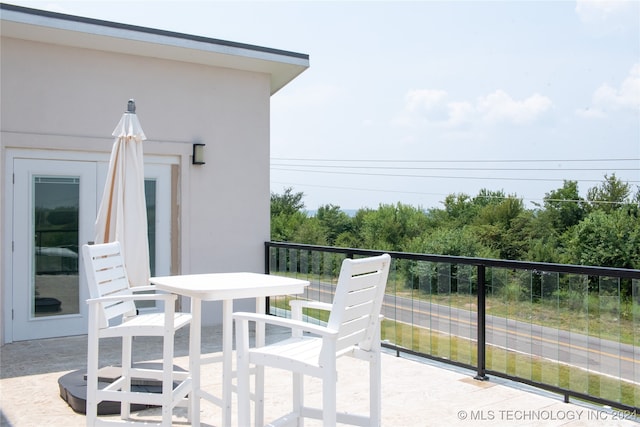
pixel 377 190
pixel 452 161
pixel 454 168
pixel 583 201
pixel 434 176
pixel 378 167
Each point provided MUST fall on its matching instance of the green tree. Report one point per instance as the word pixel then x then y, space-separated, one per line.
pixel 495 226
pixel 500 212
pixel 391 227
pixel 459 210
pixel 565 229
pixel 607 240
pixel 334 222
pixel 518 235
pixel 284 227
pixel 286 203
pixel 544 250
pixel 451 241
pixel 487 197
pixel 286 214
pixel 612 194
pixel 564 207
pixel 310 231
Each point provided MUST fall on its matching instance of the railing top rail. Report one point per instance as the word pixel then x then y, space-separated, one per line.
pixel 487 262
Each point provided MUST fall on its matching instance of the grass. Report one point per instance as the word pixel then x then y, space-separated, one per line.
pixel 591 321
pixel 528 367
pixel 532 368
pixel 605 317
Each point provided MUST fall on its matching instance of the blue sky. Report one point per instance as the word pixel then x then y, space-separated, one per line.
pixel 411 101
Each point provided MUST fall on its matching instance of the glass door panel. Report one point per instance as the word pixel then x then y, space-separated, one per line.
pixel 55 224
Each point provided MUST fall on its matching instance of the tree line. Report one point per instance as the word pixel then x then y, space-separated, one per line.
pixel 601 229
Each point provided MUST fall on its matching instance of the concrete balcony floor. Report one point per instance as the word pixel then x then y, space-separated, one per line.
pixel 415 393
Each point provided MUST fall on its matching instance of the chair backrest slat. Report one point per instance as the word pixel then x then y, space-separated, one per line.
pixel 107 262
pixel 111 279
pixel 362 296
pixel 116 309
pixel 357 311
pixel 358 301
pixel 353 327
pixel 111 287
pixel 107 276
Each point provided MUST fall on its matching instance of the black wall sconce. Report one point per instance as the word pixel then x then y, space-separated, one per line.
pixel 198 154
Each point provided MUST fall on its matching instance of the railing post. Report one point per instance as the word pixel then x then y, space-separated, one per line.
pixel 267 270
pixel 482 323
pixel 267 258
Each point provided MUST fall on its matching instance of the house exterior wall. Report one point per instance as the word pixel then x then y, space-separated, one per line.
pixel 68 100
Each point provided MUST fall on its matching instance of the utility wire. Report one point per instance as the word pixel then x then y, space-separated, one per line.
pixel 453 168
pixel 356 167
pixel 584 201
pixel 434 176
pixel 454 160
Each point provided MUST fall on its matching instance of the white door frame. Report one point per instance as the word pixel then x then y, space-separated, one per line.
pixel 157 167
pixel 25 325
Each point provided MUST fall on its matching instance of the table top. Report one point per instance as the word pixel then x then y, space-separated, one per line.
pixel 225 286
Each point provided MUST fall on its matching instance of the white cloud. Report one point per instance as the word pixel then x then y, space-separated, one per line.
pixel 500 107
pixel 607 99
pixel 423 105
pixel 601 10
pixel 424 99
pixel 589 113
pixel 434 107
pixel 460 113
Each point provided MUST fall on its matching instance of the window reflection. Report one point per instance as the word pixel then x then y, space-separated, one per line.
pixel 150 197
pixel 55 217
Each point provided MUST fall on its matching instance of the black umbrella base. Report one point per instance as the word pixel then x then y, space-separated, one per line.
pixel 73 389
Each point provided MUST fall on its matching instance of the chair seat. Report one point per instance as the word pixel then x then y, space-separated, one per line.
pixel 301 351
pixel 145 324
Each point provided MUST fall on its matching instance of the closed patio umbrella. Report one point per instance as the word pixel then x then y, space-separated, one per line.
pixel 123 214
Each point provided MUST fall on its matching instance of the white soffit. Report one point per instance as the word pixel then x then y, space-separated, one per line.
pixel 67 30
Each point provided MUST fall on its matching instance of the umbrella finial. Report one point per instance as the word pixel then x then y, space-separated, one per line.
pixel 131 106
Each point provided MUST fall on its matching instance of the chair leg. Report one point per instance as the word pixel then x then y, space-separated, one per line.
pixel 125 407
pixel 329 385
pixel 375 381
pixel 259 395
pixel 375 390
pixel 242 345
pixel 92 376
pixel 167 379
pixel 298 397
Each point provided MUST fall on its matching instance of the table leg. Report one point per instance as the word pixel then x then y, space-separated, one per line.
pixel 261 307
pixel 227 368
pixel 194 359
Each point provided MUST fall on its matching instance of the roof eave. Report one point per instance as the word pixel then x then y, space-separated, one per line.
pixel 69 30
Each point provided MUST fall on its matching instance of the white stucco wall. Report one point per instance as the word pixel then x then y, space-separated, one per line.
pixel 67 99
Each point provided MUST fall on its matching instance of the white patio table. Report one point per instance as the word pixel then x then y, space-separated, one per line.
pixel 224 287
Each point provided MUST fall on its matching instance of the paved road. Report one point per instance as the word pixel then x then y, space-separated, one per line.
pixel 597 355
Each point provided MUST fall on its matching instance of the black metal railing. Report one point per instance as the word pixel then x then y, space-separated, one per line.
pixel 573 330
